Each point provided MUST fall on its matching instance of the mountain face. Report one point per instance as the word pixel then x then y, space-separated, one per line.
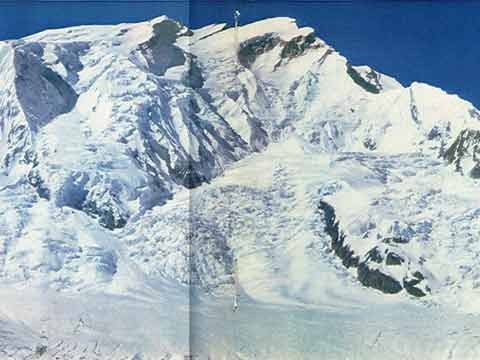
pixel 463 152
pixel 139 154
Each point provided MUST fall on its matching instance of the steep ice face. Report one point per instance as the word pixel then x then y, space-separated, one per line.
pixel 371 80
pixel 111 126
pixel 108 98
pixel 96 129
pixel 146 160
pixel 14 130
pixel 38 83
pixel 293 82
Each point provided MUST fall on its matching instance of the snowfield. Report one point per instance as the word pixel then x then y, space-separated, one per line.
pixel 149 171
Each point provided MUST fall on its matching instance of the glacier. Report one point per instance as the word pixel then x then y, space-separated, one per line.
pixel 146 168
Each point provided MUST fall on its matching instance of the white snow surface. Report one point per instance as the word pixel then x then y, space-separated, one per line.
pixel 139 161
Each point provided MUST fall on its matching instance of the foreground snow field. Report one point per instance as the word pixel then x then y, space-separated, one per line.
pixel 149 171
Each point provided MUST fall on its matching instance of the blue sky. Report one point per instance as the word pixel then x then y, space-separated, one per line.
pixel 429 41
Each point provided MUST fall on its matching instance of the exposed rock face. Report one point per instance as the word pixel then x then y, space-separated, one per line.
pixel 464 153
pixel 42 93
pixel 160 51
pixel 107 209
pixel 372 268
pixel 375 255
pixel 377 280
pixel 193 77
pixel 394 259
pixel 370 144
pixel 38 183
pixel 254 47
pixel 332 229
pixel 297 45
pixel 369 82
pixel 410 285
pixel 251 49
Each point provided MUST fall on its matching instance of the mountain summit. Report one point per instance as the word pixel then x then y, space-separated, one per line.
pixel 141 161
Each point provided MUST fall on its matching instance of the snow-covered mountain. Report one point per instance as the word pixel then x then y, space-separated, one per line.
pixel 140 162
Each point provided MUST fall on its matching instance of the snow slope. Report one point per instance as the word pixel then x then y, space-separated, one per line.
pixel 140 162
